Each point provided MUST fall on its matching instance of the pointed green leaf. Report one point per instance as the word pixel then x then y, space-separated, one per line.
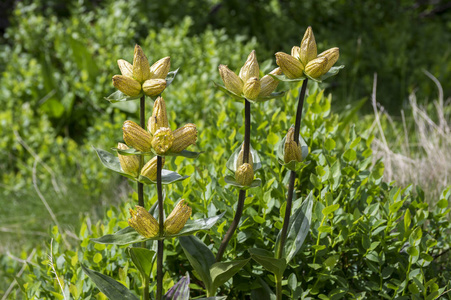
pixel 200 257
pixel 230 180
pixel 143 260
pixel 332 72
pixel 271 96
pixel 132 151
pixel 298 228
pixel 167 177
pixel 118 96
pixel 171 76
pixel 231 163
pixel 111 161
pixel 110 287
pixel 265 258
pixel 220 272
pixel 230 93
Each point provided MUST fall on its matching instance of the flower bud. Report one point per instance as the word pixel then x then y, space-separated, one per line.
pixel 183 137
pixel 143 222
pixel 162 140
pixel 244 175
pixel 160 69
pixel 291 67
pixel 129 163
pixel 251 89
pixel 141 67
pixel 250 68
pixel 268 83
pixel 150 168
pixel 127 85
pixel 317 67
pixel 154 87
pixel 308 49
pixel 332 56
pixel 125 67
pixel 231 81
pixel 159 116
pixel 292 150
pixel 177 218
pixel 240 161
pixel 295 52
pixel 136 137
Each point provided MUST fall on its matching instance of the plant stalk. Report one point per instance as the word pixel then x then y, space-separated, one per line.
pixel 297 128
pixel 286 220
pixel 161 225
pixel 142 123
pixel 242 194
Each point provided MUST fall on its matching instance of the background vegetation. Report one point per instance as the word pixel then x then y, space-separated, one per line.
pixel 57 61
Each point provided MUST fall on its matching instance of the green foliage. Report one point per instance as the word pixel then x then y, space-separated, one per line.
pixel 367 239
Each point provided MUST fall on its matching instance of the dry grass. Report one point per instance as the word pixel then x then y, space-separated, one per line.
pixel 417 149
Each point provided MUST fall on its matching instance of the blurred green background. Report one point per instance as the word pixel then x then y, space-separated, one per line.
pixel 57 59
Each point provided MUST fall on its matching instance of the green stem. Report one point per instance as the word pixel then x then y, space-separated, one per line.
pixel 279 287
pixel 161 225
pixel 242 194
pixel 297 128
pixel 142 122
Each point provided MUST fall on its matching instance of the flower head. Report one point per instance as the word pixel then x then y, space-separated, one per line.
pixel 129 163
pixel 305 59
pixel 248 83
pixel 141 77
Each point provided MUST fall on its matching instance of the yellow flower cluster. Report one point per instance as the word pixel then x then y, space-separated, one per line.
pixel 159 137
pixel 305 59
pixel 146 225
pixel 247 83
pixel 141 77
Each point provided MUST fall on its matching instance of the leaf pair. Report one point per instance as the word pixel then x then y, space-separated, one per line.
pixel 213 274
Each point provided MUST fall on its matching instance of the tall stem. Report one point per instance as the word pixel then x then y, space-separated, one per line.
pixel 297 127
pixel 242 194
pixel 142 123
pixel 161 225
pixel 286 220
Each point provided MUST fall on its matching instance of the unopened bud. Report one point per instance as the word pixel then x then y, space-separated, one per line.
pixel 317 67
pixel 183 137
pixel 308 49
pixel 143 222
pixel 244 175
pixel 292 150
pixel 268 83
pixel 291 67
pixel 125 67
pixel 154 87
pixel 231 81
pixel 162 140
pixel 160 69
pixel 150 168
pixel 251 89
pixel 250 67
pixel 177 218
pixel 159 116
pixel 240 159
pixel 129 163
pixel 127 85
pixel 136 137
pixel 141 67
pixel 332 56
pixel 295 52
